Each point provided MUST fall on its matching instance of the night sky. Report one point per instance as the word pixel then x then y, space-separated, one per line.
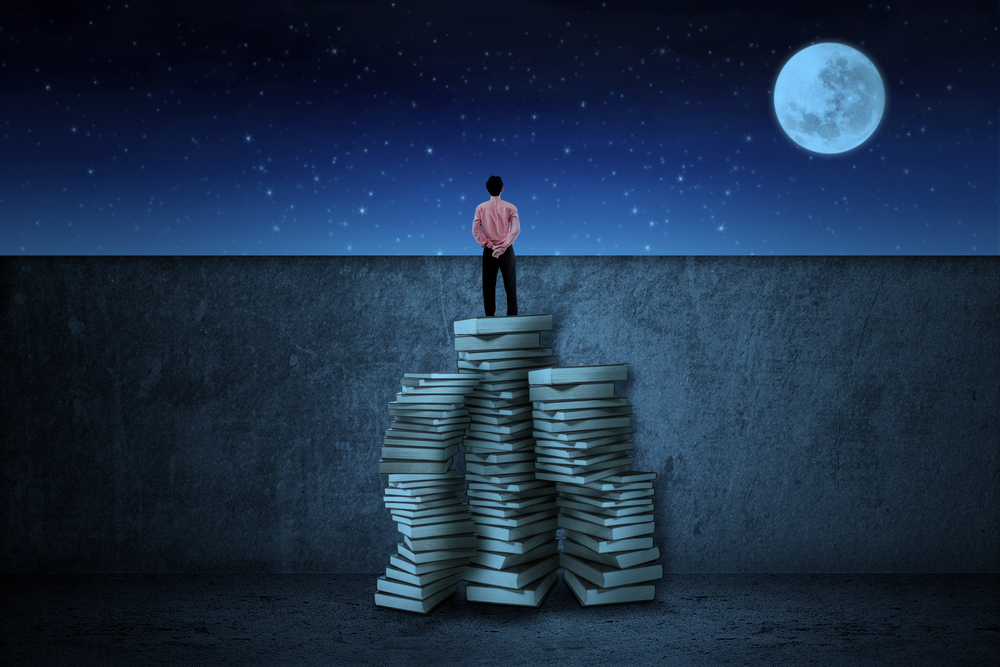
pixel 370 128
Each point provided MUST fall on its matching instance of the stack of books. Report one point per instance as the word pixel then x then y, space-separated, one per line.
pixel 514 513
pixel 606 511
pixel 424 493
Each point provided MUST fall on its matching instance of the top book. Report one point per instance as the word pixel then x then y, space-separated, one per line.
pixel 578 374
pixel 480 326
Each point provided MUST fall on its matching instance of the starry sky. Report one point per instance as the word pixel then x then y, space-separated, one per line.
pixel 201 127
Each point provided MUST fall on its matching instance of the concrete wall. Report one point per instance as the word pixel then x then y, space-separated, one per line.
pixel 816 414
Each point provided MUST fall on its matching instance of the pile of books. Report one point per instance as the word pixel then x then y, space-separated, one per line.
pixel 424 493
pixel 514 513
pixel 606 511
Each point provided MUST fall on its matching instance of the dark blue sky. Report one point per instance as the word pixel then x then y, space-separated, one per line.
pixel 370 128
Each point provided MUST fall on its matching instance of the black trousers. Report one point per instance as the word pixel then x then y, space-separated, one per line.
pixel 505 263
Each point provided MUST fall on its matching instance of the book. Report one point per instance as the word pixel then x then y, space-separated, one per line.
pixel 420 606
pixel 621 559
pixel 579 374
pixel 531 595
pixel 608 576
pixel 589 594
pixel 416 592
pixel 496 325
pixel 609 546
pixel 516 576
pixel 577 479
pixel 423 491
pixel 499 561
pixel 567 392
pixel 421 580
pixel 604 532
pixel 510 341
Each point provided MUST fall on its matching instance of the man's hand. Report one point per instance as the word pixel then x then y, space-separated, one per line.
pixel 498 250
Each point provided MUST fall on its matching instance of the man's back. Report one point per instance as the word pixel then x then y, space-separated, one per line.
pixel 496 221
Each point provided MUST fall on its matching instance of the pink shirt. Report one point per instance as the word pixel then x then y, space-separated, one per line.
pixel 496 223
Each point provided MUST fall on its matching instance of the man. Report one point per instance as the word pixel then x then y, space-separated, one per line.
pixel 495 227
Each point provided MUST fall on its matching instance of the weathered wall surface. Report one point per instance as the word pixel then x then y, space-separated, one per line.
pixel 191 414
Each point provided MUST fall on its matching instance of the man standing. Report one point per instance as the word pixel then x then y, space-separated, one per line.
pixel 495 227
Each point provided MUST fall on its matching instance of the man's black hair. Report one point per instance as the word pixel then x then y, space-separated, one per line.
pixel 494 185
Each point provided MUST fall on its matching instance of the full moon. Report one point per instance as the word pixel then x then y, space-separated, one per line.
pixel 829 98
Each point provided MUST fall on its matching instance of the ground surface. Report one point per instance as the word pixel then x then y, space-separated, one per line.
pixel 316 619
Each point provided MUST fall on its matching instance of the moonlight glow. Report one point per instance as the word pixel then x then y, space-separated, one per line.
pixel 829 98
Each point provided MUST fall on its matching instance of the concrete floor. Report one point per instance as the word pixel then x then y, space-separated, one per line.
pixel 316 619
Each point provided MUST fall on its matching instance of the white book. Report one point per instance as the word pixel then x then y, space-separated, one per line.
pixel 415 412
pixel 605 496
pixel 502 479
pixel 545 526
pixel 499 468
pixel 511 522
pixel 505 354
pixel 517 576
pixel 409 504
pixel 573 453
pixel 435 530
pixel 442 542
pixel 631 477
pixel 614 462
pixel 459 380
pixel 509 341
pixel 531 595
pixel 493 458
pixel 604 532
pixel 401 589
pixel 497 420
pixel 420 488
pixel 578 479
pixel 583 460
pixel 597 424
pixel 409 604
pixel 590 595
pixel 555 406
pixel 571 391
pixel 437 376
pixel 503 364
pixel 419 453
pixel 570 415
pixel 439 389
pixel 423 513
pixel 632 510
pixel 428 557
pixel 621 559
pixel 579 374
pixel 398 466
pixel 518 445
pixel 606 576
pixel 521 546
pixel 417 500
pixel 607 521
pixel 407 441
pixel 433 519
pixel 421 580
pixel 503 513
pixel 581 439
pixel 396 478
pixel 512 488
pixel 477 429
pixel 405 564
pixel 495 325
pixel 431 399
pixel 500 561
pixel 604 546
pixel 405 421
